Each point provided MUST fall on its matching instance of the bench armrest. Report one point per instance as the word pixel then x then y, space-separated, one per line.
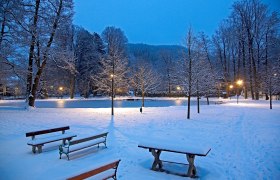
pixel 64 148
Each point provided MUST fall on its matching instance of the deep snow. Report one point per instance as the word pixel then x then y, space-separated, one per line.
pixel 244 139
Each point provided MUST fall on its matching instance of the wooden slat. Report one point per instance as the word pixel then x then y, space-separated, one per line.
pixel 96 171
pixel 46 131
pixel 88 138
pixel 70 151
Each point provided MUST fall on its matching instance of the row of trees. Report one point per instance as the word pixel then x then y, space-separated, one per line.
pixel 29 37
pixel 42 49
pixel 246 46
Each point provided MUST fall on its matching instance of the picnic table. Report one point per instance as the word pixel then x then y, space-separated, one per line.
pixel 189 150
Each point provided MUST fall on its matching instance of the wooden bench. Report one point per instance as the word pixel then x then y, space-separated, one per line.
pixel 79 144
pixel 219 102
pixel 190 152
pixel 106 171
pixel 39 142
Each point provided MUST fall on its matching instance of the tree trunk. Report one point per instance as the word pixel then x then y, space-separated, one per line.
pixel 143 96
pixel 250 46
pixel 234 64
pixel 189 106
pixel 197 94
pixel 72 86
pixel 35 85
pixel 189 73
pixel 207 97
pixel 29 93
pixel 3 28
pixel 169 85
pixel 142 90
pixel 112 96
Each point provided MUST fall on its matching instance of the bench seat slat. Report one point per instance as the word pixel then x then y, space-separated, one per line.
pixel 184 149
pixel 84 145
pixel 40 141
pixel 104 175
pixel 104 171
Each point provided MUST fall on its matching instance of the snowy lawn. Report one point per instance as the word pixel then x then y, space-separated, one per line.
pixel 245 141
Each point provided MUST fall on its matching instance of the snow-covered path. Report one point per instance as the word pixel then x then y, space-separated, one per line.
pixel 244 139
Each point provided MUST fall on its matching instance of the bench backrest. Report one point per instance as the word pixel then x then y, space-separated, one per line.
pixel 46 131
pixel 88 138
pixel 113 165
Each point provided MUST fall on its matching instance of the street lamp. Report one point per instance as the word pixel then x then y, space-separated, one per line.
pixel 239 83
pixel 230 89
pixel 112 94
pixel 178 88
pixel 270 90
pixel 60 91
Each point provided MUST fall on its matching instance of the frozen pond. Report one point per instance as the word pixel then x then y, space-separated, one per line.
pixel 66 103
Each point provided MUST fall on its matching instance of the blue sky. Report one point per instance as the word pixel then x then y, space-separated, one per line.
pixel 155 21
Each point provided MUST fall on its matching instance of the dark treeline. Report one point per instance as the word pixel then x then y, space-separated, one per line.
pixel 43 54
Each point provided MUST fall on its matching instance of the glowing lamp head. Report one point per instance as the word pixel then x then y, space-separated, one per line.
pixel 178 88
pixel 61 88
pixel 239 82
pixel 231 86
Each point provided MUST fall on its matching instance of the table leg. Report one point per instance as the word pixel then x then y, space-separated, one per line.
pixel 192 169
pixel 34 149
pixel 39 148
pixel 157 161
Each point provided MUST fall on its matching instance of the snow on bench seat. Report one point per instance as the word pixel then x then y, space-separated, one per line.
pixel 82 145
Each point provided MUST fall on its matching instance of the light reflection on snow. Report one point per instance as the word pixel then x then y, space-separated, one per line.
pixel 60 103
pixel 251 104
pixel 178 102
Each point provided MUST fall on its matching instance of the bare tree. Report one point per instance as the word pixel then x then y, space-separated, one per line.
pixel 187 68
pixel 46 18
pixel 113 66
pixel 209 72
pixel 145 79
pixel 10 13
pixel 168 70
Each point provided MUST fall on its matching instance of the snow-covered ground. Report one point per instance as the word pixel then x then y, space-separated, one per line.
pixel 244 138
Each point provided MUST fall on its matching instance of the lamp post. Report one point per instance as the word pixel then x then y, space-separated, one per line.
pixel 60 91
pixel 270 90
pixel 16 91
pixel 178 89
pixel 112 94
pixel 230 88
pixel 219 87
pixel 239 83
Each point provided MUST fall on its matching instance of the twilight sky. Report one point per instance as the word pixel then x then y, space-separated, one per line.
pixel 155 21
